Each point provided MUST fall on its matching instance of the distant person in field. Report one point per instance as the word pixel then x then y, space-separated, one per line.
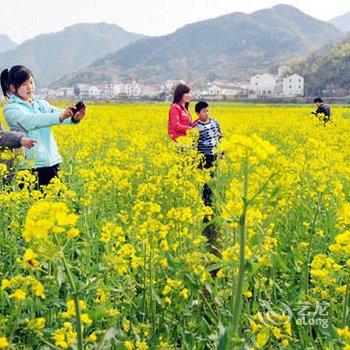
pixel 179 120
pixel 208 141
pixel 32 116
pixel 323 112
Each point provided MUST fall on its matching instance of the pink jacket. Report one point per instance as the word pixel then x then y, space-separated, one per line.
pixel 179 121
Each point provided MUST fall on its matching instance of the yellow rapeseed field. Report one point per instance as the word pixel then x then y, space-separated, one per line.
pixel 116 255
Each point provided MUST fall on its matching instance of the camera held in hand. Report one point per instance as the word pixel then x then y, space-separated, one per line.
pixel 78 107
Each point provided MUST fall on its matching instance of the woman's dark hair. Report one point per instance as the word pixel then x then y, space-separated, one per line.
pixel 181 90
pixel 16 76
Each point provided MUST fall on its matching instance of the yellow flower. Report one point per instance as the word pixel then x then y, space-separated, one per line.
pixel 285 342
pixel 255 327
pixel 113 312
pixel 38 289
pixel 71 309
pixel 288 328
pixel 60 338
pixel 29 259
pixel 86 319
pixel 324 293
pixel 248 294
pixel 4 342
pixel 321 188
pixel 341 289
pixel 141 345
pixel 5 283
pixel 46 217
pixel 39 323
pixel 19 295
pixel 72 233
pixel 101 296
pixel 276 332
pixel 262 338
pixel 166 290
pixel 163 345
pixel 92 337
pixel 184 293
pixel 126 325
pixel 65 336
pixel 344 333
pixel 220 274
pixel 128 345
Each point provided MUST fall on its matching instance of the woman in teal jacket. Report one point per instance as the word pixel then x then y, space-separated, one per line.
pixel 26 113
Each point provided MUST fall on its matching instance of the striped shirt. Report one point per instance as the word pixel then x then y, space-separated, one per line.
pixel 209 136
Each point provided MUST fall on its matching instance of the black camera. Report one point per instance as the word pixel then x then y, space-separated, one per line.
pixel 78 107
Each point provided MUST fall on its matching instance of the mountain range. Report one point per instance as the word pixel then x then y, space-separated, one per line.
pixel 327 71
pixel 51 56
pixel 6 43
pixel 342 22
pixel 231 46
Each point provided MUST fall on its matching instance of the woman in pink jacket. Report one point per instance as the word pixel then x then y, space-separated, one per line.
pixel 179 118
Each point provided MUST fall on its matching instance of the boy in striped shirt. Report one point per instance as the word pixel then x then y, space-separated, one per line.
pixel 209 134
pixel 208 140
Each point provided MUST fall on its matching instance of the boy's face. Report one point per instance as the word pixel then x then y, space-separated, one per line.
pixel 318 104
pixel 204 114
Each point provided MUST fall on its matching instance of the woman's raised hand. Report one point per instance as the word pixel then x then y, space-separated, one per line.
pixel 67 113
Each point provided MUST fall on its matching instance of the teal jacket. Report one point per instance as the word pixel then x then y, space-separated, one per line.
pixel 35 120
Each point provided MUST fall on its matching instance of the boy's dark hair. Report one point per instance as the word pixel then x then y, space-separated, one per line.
pixel 181 90
pixel 318 99
pixel 200 105
pixel 16 76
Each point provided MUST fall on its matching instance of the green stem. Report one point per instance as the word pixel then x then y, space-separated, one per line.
pixel 312 231
pixel 75 295
pixel 213 316
pixel 152 302
pixel 237 306
pixel 90 284
pixel 49 344
pixel 261 189
pixel 346 303
pixel 144 298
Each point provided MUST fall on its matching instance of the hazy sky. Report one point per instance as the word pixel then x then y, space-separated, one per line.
pixel 23 19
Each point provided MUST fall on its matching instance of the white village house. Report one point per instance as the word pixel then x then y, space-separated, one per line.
pixel 259 86
pixel 65 92
pixel 268 85
pixel 94 92
pixel 223 88
pixel 214 90
pixel 263 85
pixel 109 91
pixel 293 86
pixel 151 90
pixel 131 88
